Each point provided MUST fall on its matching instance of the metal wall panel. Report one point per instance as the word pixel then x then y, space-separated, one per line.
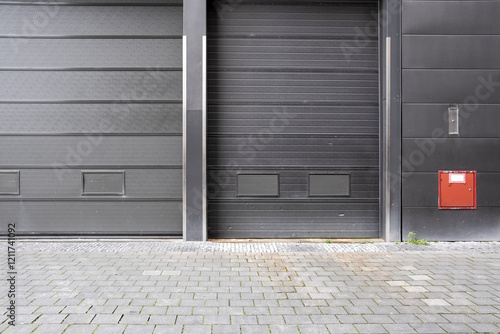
pixel 291 91
pixel 95 118
pixel 95 150
pixel 299 53
pixel 297 219
pixel 294 184
pixel 294 88
pixel 65 184
pixel 91 53
pixel 448 54
pixel 421 189
pixel 98 217
pixel 69 21
pixel 452 225
pixel 451 17
pixel 431 120
pixel 457 52
pixel 113 86
pixel 482 154
pixel 294 119
pixel 91 115
pixel 455 86
pixel 274 150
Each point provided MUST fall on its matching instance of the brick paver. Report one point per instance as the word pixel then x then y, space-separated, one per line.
pixel 147 287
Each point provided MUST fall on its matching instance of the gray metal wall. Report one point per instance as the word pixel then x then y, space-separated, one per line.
pixel 293 91
pixel 91 86
pixel 450 56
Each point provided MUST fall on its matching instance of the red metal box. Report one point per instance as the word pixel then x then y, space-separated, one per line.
pixel 457 190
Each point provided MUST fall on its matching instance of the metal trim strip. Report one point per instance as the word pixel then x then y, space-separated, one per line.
pixel 204 135
pixel 387 139
pixel 184 139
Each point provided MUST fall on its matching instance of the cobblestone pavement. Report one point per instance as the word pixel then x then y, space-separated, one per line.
pixel 175 287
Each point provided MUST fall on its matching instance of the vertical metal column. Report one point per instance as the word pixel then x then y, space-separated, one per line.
pixel 194 119
pixel 390 195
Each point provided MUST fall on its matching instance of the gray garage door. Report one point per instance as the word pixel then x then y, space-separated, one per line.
pixel 90 117
pixel 293 119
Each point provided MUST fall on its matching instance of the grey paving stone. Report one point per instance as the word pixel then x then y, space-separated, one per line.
pixel 456 328
pixel 358 310
pixel 27 309
pixel 216 319
pixel 378 319
pixel 174 310
pixel 225 329
pixel 405 319
pixel 75 309
pixel 313 329
pixel 244 320
pixel 370 328
pixel 189 320
pixel 255 329
pixel 50 328
pixel 106 319
pixel 351 319
pixel 436 302
pixel 270 320
pixel 307 310
pixel 256 310
pixel 484 327
pixel 168 329
pixel 230 310
pixel 324 319
pixel 134 319
pixel 342 328
pixel 284 329
pixel 281 310
pixel 485 318
pixel 79 318
pixel 80 329
pixel 27 318
pixel 51 318
pixel 134 329
pixel 162 319
pixel 50 309
pixel 197 329
pixel 128 309
pixel 205 310
pixel 297 319
pixel 110 329
pixel 102 309
pixel 192 302
pixel 399 328
pixel 427 328
pixel 429 318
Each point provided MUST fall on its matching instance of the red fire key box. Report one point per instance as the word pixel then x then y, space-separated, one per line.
pixel 457 190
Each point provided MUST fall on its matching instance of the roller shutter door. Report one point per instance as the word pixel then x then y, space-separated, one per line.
pixel 91 117
pixel 293 119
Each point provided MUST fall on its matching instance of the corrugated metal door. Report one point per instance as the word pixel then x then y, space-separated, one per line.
pixel 293 119
pixel 90 117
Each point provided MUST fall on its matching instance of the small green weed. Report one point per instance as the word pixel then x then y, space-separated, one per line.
pixel 328 241
pixel 412 239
